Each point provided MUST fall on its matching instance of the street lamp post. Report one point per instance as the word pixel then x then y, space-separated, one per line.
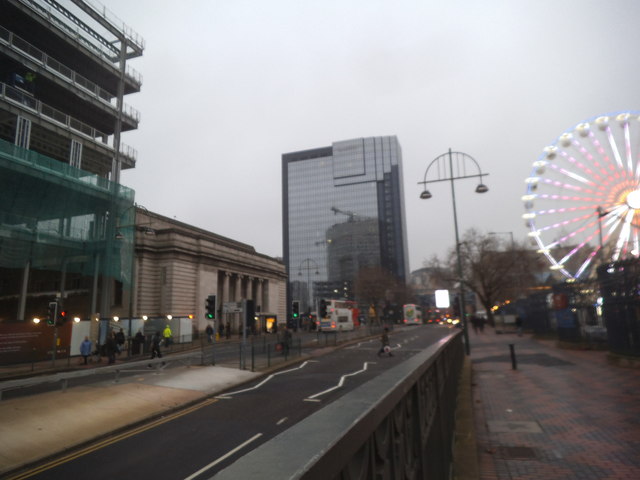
pixel 444 174
pixel 306 264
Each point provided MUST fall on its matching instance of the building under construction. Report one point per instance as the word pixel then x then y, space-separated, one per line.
pixel 66 223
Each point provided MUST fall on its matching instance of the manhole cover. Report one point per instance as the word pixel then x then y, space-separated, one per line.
pixel 517 453
pixel 500 426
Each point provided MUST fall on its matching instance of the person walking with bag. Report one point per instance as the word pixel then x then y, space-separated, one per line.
pixel 384 340
pixel 155 346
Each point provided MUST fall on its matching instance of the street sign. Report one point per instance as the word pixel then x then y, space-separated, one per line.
pixel 232 307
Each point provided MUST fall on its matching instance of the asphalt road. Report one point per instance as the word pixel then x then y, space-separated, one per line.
pixel 198 442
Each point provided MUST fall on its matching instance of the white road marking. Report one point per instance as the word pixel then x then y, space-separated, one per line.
pixel 282 420
pixel 224 457
pixel 340 383
pixel 226 396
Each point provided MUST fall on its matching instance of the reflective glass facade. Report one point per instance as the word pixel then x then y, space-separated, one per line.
pixel 343 209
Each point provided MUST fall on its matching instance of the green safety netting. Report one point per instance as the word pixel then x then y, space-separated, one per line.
pixel 57 218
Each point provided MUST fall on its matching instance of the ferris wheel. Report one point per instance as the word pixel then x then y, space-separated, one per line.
pixel 582 198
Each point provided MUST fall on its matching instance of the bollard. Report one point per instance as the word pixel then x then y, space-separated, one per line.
pixel 514 364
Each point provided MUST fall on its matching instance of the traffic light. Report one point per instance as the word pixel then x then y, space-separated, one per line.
pixel 295 309
pixel 211 307
pixel 323 308
pixel 52 314
pixel 62 316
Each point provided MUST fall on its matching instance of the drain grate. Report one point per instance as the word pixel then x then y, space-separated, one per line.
pixel 518 453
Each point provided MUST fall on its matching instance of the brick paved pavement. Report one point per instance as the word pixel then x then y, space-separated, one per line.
pixel 563 414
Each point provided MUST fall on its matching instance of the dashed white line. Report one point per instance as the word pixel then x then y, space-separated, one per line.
pixel 313 398
pixel 282 420
pixel 224 457
pixel 226 396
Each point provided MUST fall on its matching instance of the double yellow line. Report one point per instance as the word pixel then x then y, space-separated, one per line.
pixel 111 440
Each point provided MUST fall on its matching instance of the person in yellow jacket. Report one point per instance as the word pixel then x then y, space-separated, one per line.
pixel 167 336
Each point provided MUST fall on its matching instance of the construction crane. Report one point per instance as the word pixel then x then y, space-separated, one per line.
pixel 351 215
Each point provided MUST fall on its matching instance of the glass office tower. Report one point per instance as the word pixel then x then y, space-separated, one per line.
pixel 343 210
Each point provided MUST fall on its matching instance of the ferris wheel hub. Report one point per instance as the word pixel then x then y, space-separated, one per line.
pixel 633 200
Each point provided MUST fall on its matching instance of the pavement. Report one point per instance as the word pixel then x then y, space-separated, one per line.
pixel 565 414
pixel 561 414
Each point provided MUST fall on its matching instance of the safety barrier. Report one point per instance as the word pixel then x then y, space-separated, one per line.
pixel 398 425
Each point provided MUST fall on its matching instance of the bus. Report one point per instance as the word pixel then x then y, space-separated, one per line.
pixel 411 314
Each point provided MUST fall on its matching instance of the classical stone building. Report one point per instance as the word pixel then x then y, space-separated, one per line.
pixel 177 266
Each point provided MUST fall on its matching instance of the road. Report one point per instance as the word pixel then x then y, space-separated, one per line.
pixel 198 442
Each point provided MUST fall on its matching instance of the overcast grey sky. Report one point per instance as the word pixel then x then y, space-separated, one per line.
pixel 230 85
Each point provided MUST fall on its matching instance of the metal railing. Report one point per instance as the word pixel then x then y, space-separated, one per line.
pixel 261 352
pixel 49 14
pixel 26 101
pixel 398 425
pixel 65 72
pixel 63 378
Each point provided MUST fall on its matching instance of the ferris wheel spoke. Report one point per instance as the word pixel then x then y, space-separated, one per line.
pixel 614 147
pixel 573 176
pixel 587 157
pixel 625 233
pixel 627 147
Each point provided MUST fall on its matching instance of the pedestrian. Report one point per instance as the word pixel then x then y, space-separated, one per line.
pixel 227 330
pixel 481 321
pixel 519 325
pixel 384 340
pixel 209 332
pixel 286 341
pixel 155 346
pixel 85 349
pixel 168 336
pixel 475 322
pixel 120 339
pixel 220 330
pixel 138 343
pixel 111 347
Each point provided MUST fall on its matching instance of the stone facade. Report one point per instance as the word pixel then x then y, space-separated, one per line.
pixel 179 266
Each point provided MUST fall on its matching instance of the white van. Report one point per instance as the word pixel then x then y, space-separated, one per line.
pixel 339 320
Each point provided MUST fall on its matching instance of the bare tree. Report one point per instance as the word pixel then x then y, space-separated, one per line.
pixel 494 270
pixel 374 285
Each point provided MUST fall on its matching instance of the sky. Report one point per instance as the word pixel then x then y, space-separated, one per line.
pixel 231 85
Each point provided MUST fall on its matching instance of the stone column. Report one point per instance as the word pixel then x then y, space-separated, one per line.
pixel 250 281
pixel 260 300
pixel 225 287
pixel 238 288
